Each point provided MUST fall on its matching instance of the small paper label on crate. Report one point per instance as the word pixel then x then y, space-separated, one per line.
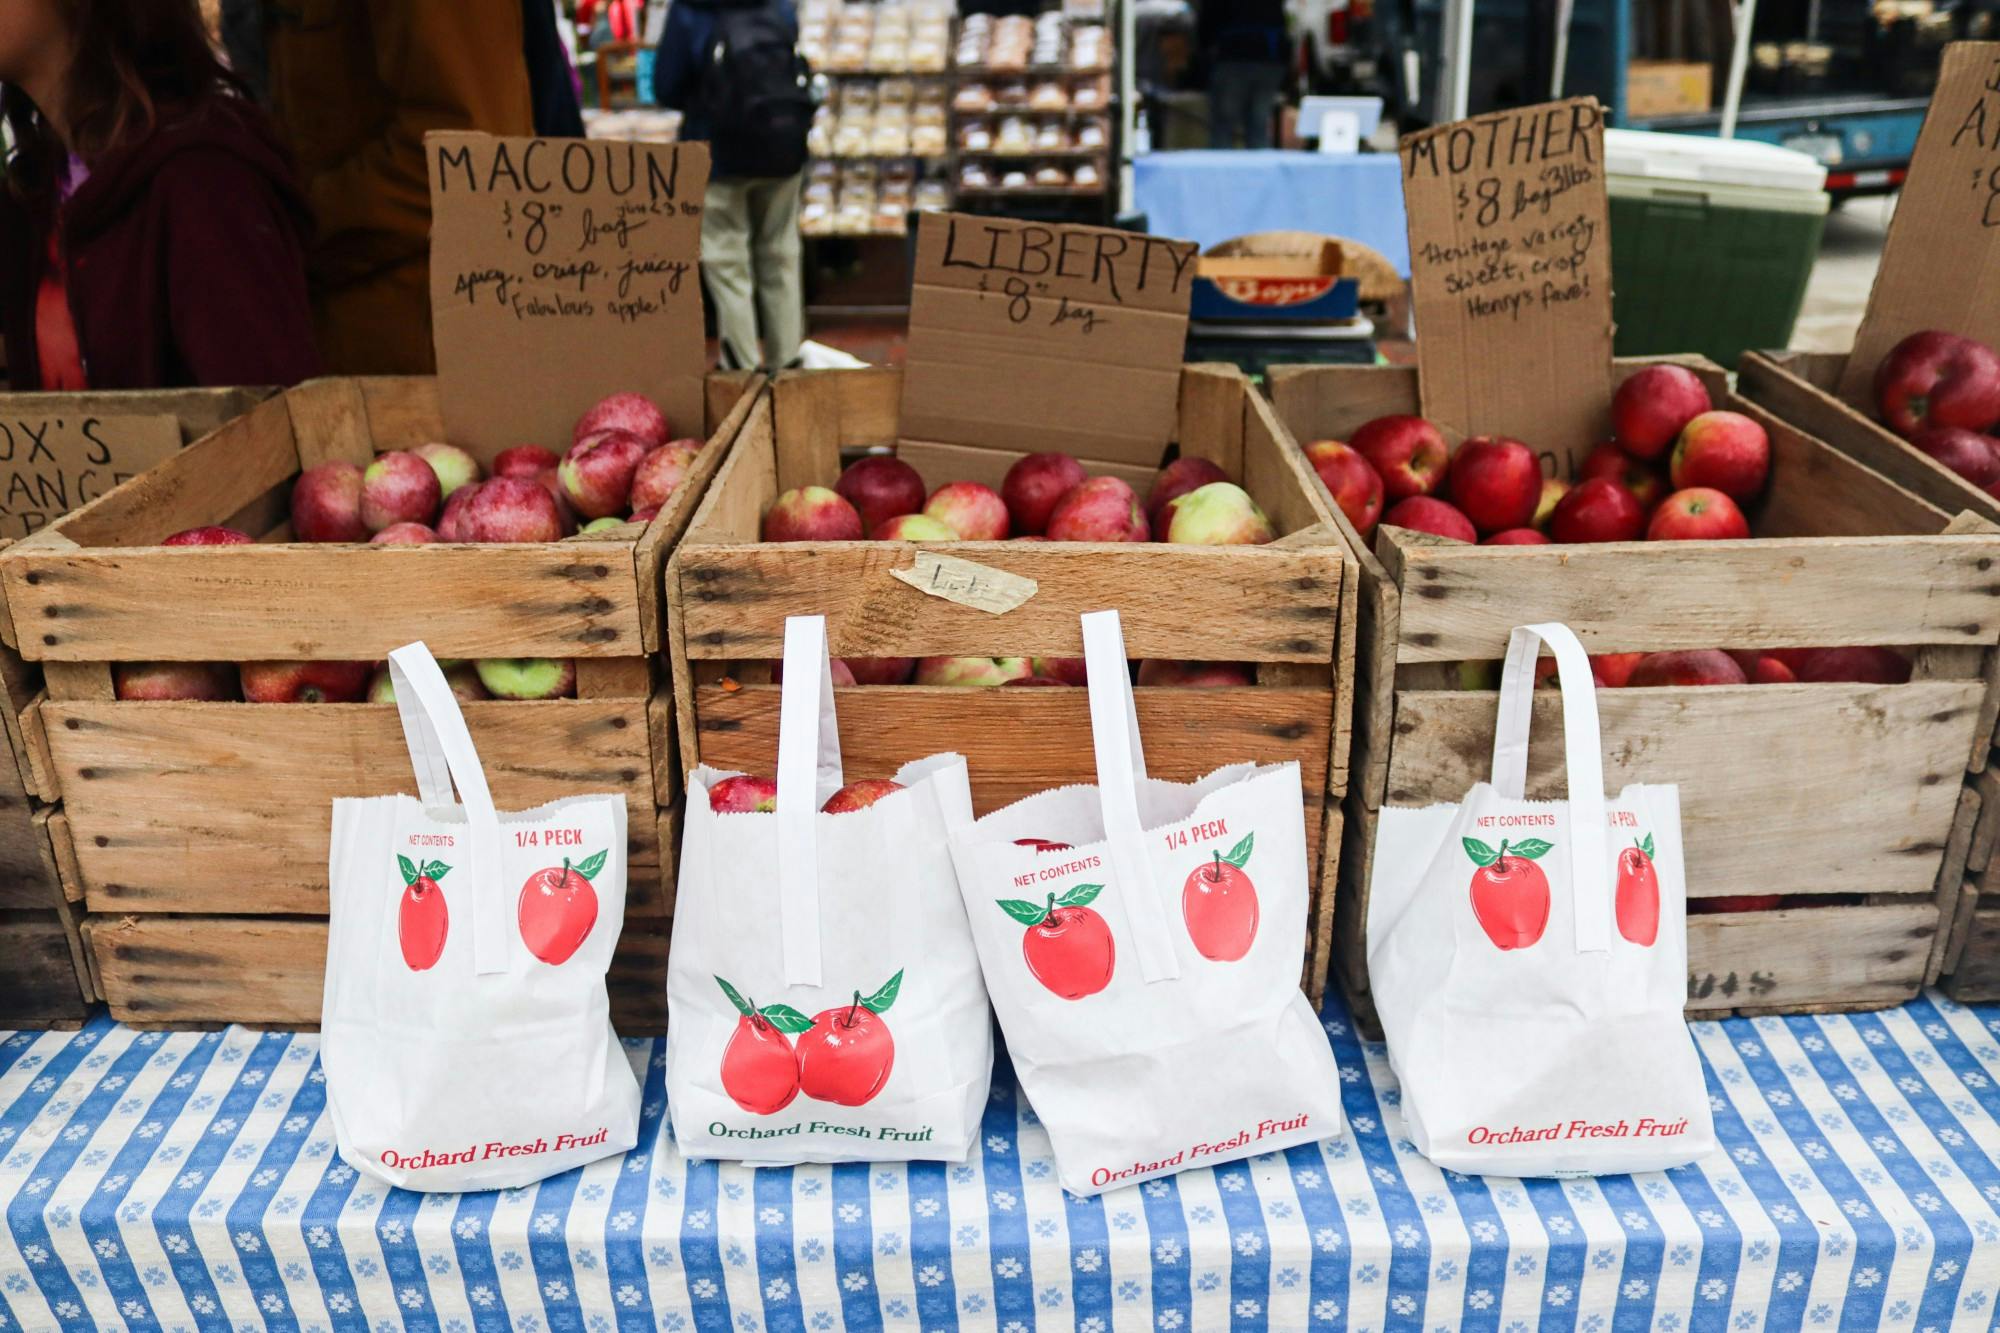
pixel 563 271
pixel 981 587
pixel 1510 275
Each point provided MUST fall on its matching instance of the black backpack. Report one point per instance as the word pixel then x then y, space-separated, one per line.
pixel 756 93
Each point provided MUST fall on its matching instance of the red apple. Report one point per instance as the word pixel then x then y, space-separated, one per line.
pixel 404 534
pixel 1517 537
pixel 398 487
pixel 1103 509
pixel 1219 905
pixel 760 1070
pixel 1408 453
pixel 1061 670
pixel 557 908
pixel 1615 669
pixel 1643 479
pixel 846 1056
pixel 1035 485
pixel 1697 514
pixel 976 513
pixel 1350 480
pixel 743 795
pixel 1687 666
pixel 1422 513
pixel 971 671
pixel 880 488
pixel 463 677
pixel 1067 947
pixel 1496 482
pixel 1553 490
pixel 304 682
pixel 1638 896
pixel 859 795
pixel 326 504
pixel 1724 451
pixel 645 513
pixel 508 509
pixel 1654 405
pixel 1868 666
pixel 524 460
pixel 207 682
pixel 632 413
pixel 1196 675
pixel 1218 514
pixel 1938 379
pixel 811 514
pixel 1735 902
pixel 1510 894
pixel 661 472
pixel 1175 480
pixel 881 670
pixel 451 526
pixel 211 536
pixel 1971 455
pixel 1598 511
pixel 551 481
pixel 596 474
pixel 1768 670
pixel 912 528
pixel 455 468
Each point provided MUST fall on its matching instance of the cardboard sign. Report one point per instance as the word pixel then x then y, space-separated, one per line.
pixel 1941 264
pixel 563 270
pixel 51 463
pixel 1510 271
pixel 1041 336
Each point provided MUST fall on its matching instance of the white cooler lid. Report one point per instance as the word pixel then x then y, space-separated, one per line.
pixel 1654 155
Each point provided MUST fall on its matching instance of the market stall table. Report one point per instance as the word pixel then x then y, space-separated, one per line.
pixel 189 1180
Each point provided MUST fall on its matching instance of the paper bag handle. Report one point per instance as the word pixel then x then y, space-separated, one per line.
pixel 1590 890
pixel 808 772
pixel 1121 767
pixel 442 753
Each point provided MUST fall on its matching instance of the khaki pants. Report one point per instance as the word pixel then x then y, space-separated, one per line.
pixel 750 255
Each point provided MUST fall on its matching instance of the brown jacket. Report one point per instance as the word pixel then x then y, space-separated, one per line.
pixel 354 86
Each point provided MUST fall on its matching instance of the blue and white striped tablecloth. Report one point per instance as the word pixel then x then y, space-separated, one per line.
pixel 189 1181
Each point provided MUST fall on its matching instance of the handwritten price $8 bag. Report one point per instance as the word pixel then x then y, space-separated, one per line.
pixel 467 1036
pixel 1529 958
pixel 823 996
pixel 1141 942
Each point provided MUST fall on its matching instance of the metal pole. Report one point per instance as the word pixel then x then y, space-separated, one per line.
pixel 1565 13
pixel 1455 79
pixel 1745 13
pixel 1128 98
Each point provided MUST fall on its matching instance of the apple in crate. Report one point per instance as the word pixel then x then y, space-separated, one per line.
pixel 1103 509
pixel 836 667
pixel 1608 461
pixel 209 536
pixel 1725 451
pixel 1598 510
pixel 326 504
pixel 404 534
pixel 1175 480
pixel 1350 480
pixel 1517 537
pixel 1867 666
pixel 304 682
pixel 1654 405
pixel 1060 670
pixel 811 514
pixel 1035 485
pixel 1553 490
pixel 1196 675
pixel 597 525
pixel 1615 669
pixel 859 795
pixel 1688 666
pixel 398 487
pixel 912 528
pixel 1971 455
pixel 1697 514
pixel 1763 668
pixel 463 678
pixel 596 474
pixel 1935 378
pixel 454 467
pixel 743 794
pixel 524 460
pixel 972 671
pixel 661 472
pixel 1218 514
pixel 880 488
pixel 528 677
pixel 1496 482
pixel 881 670
pixel 151 681
pixel 551 481
pixel 976 513
pixel 509 509
pixel 632 413
pixel 1409 453
pixel 1425 513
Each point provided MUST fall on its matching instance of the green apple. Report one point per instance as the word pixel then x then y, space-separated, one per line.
pixel 604 524
pixel 454 466
pixel 528 677
pixel 1218 514
pixel 460 675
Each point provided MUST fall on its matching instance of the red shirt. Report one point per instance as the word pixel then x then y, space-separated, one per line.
pixel 55 328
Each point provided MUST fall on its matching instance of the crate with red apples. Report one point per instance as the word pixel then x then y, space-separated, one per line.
pixel 952 577
pixel 211 633
pixel 1802 645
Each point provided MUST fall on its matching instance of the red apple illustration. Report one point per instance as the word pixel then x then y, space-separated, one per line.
pixel 760 1070
pixel 1219 904
pixel 422 921
pixel 1638 894
pixel 847 1052
pixel 1510 894
pixel 1068 946
pixel 558 907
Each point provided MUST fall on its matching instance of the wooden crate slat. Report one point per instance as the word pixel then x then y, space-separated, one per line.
pixel 38 976
pixel 1886 758
pixel 1873 955
pixel 189 807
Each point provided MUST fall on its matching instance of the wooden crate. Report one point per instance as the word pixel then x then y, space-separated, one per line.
pixel 1286 606
pixel 221 809
pixel 1843 792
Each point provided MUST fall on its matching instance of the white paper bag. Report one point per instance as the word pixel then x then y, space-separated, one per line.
pixel 1142 943
pixel 466 1035
pixel 1529 958
pixel 824 1002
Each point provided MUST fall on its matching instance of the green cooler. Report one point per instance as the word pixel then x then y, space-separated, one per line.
pixel 1712 241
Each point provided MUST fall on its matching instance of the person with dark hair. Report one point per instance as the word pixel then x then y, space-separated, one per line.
pixel 1244 46
pixel 151 233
